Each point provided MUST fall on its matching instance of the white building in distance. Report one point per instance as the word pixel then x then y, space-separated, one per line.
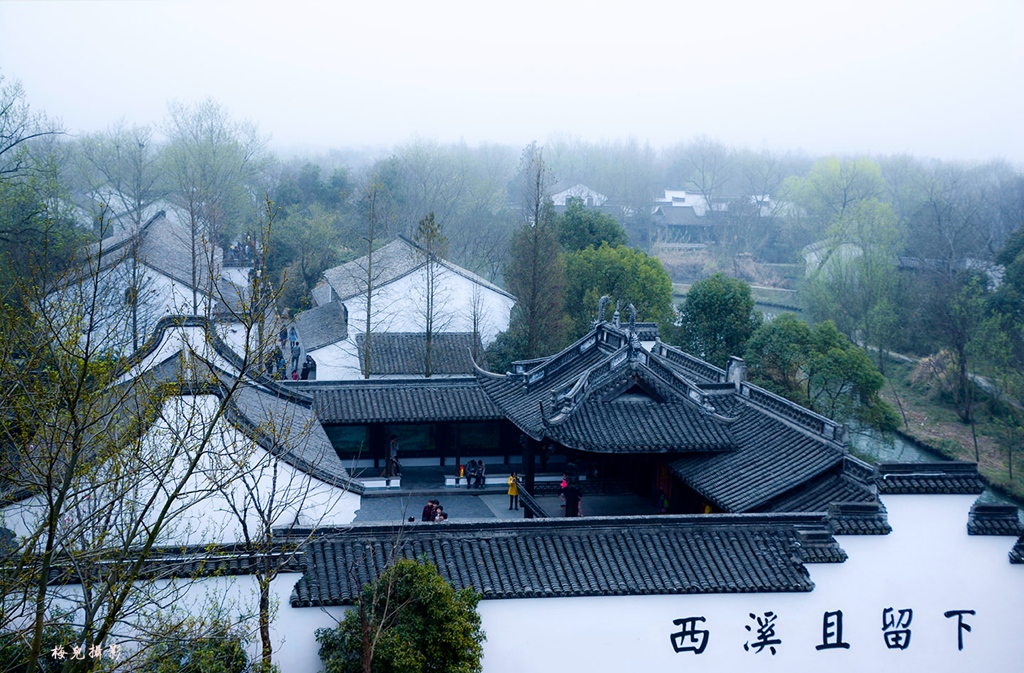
pixel 464 304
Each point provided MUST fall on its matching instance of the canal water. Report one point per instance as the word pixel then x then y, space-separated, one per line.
pixel 873 446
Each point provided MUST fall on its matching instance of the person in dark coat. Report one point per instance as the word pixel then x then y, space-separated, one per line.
pixel 481 474
pixel 572 501
pixel 428 510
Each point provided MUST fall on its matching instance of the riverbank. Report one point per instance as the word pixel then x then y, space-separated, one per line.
pixel 935 426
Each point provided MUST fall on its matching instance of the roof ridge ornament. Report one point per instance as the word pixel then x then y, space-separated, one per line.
pixel 601 303
pixel 634 339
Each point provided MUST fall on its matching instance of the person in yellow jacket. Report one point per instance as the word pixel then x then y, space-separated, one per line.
pixel 513 491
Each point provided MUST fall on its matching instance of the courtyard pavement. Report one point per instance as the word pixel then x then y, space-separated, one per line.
pixel 424 483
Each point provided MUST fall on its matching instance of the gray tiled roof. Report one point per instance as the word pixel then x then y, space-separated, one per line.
pixel 771 457
pixel 192 561
pixel 679 216
pixel 404 353
pixel 621 426
pixel 402 401
pixel 1017 553
pixel 322 325
pixel 859 518
pixel 951 477
pixel 816 495
pixel 391 261
pixel 164 245
pixel 536 558
pixel 994 520
pixel 291 432
pixel 520 402
pixel 167 247
pixel 605 394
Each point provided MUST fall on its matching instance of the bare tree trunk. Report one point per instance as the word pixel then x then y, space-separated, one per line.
pixel 367 632
pixel 899 404
pixel 265 642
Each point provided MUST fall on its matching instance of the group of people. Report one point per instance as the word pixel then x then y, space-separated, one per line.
pixel 475 473
pixel 278 367
pixel 433 511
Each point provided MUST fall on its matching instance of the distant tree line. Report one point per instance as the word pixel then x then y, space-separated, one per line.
pixel 901 253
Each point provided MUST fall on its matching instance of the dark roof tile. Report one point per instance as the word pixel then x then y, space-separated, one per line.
pixel 402 401
pixel 321 326
pixel 948 477
pixel 1017 553
pixel 816 495
pixel 291 432
pixel 405 353
pixel 771 458
pixel 859 518
pixel 590 557
pixel 994 520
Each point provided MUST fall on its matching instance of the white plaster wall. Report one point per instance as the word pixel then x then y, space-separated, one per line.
pixel 185 340
pixel 234 598
pixel 928 564
pixel 111 318
pixel 399 306
pixel 337 361
pixel 202 512
pixel 160 295
pixel 292 632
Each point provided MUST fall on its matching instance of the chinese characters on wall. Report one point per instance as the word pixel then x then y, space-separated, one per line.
pixel 693 637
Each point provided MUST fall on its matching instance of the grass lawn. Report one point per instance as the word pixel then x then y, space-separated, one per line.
pixel 930 419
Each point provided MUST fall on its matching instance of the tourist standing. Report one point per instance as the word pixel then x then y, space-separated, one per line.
pixel 513 491
pixel 396 467
pixel 296 351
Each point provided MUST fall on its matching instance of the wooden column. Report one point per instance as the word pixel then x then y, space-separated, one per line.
pixel 443 440
pixel 378 444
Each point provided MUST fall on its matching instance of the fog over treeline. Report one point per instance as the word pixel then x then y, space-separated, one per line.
pixel 949 209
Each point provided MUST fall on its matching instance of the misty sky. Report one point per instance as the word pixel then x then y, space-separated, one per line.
pixel 931 77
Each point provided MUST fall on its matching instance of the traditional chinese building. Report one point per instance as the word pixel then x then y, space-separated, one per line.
pixel 394 280
pixel 807 558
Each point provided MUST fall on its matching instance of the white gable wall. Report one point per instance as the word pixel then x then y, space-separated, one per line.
pixel 204 515
pixel 159 296
pixel 399 306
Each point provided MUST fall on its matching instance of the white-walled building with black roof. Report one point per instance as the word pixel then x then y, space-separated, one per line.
pixel 781 550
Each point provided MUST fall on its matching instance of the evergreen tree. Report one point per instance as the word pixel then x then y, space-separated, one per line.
pixel 580 228
pixel 626 275
pixel 408 620
pixel 717 318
